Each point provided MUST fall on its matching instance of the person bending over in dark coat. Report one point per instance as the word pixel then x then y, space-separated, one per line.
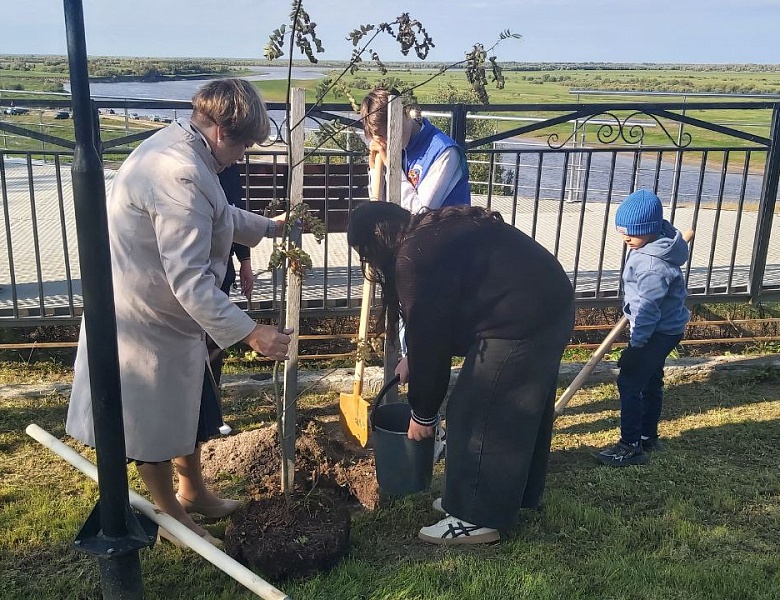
pixel 468 284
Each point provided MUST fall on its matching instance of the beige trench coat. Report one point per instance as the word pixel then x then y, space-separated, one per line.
pixel 170 231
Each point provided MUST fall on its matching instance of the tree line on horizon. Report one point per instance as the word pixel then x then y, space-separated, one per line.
pixel 102 66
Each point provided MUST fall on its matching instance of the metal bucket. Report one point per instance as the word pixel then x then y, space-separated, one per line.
pixel 403 466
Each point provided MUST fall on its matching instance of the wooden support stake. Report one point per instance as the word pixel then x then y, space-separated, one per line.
pixel 395 125
pixel 294 285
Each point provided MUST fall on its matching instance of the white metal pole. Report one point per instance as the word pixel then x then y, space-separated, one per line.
pixel 184 534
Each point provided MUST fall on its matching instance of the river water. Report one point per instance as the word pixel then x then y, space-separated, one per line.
pixel 186 88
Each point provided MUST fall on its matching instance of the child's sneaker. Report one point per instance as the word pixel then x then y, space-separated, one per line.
pixel 623 455
pixel 652 444
pixel 453 531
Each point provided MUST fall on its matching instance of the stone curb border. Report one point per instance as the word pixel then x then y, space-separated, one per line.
pixel 340 380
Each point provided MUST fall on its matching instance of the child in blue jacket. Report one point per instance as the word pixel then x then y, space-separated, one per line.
pixel 654 302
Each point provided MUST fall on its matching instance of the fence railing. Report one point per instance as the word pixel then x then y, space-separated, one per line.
pixel 557 172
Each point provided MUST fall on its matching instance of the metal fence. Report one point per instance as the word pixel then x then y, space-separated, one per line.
pixel 557 172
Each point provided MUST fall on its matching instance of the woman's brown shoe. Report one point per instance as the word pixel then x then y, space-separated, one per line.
pixel 211 511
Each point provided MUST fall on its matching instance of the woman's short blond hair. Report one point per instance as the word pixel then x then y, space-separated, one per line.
pixel 236 106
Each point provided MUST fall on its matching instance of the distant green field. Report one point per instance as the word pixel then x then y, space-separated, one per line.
pixel 532 86
pixel 545 87
pixel 556 86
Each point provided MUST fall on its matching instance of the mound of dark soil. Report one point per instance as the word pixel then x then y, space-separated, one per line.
pixel 281 540
pixel 293 537
pixel 323 458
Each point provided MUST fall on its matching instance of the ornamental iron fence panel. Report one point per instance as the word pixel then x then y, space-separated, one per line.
pixel 555 171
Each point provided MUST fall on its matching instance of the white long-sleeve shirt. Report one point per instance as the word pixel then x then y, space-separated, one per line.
pixel 439 181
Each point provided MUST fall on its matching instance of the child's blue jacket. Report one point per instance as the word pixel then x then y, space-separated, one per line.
pixel 654 288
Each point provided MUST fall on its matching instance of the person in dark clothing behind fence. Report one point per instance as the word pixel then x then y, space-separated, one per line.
pixel 230 180
pixel 468 284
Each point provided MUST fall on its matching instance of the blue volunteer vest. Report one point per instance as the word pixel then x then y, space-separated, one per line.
pixel 422 152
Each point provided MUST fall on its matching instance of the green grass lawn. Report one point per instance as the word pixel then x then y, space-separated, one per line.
pixel 700 522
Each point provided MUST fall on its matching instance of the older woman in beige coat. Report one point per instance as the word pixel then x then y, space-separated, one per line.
pixel 171 229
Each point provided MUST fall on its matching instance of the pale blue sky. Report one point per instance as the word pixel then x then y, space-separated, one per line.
pixel 664 31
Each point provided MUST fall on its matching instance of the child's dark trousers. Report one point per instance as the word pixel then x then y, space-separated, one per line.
pixel 641 386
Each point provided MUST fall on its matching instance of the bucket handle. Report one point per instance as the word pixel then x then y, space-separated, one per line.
pixel 381 396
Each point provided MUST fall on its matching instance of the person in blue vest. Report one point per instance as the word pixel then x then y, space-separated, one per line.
pixel 435 172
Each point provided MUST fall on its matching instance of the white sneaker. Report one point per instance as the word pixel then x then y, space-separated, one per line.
pixel 453 531
pixel 437 506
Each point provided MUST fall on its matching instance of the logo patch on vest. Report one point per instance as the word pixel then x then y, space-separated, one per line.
pixel 414 174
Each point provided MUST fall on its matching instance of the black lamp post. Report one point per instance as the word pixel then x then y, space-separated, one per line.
pixel 113 533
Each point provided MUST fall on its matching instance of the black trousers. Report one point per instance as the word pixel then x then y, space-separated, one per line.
pixel 499 426
pixel 210 417
pixel 217 354
pixel 641 386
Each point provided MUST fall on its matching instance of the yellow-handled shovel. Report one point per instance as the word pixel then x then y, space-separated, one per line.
pixel 353 409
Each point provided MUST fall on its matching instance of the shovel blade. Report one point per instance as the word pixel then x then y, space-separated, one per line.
pixel 353 414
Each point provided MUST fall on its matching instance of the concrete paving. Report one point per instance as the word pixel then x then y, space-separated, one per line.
pixel 38 244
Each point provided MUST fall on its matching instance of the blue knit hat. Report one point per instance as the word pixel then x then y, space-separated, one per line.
pixel 641 213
